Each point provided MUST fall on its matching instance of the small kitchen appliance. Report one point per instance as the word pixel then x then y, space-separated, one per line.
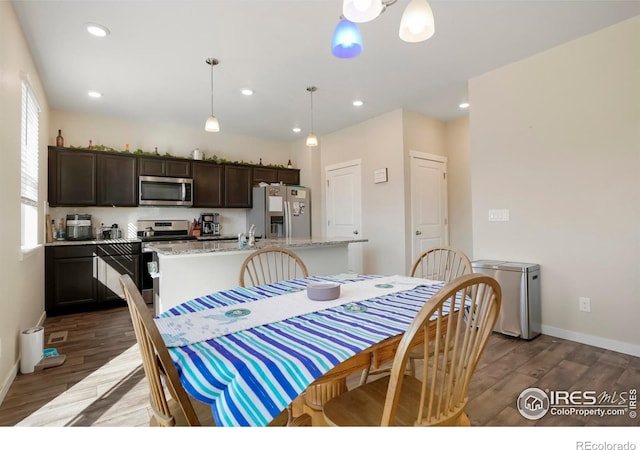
pixel 79 227
pixel 209 224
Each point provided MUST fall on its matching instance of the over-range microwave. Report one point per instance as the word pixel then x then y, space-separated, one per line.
pixel 165 191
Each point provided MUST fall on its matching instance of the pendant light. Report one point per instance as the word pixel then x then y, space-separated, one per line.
pixel 347 41
pixel 417 22
pixel 312 139
pixel 361 11
pixel 212 124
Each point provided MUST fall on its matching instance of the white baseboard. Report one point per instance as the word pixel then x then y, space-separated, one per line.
pixel 609 344
pixel 4 387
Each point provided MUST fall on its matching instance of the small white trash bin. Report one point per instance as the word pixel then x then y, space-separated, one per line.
pixel 31 348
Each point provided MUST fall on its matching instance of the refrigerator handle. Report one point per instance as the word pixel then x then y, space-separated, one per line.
pixel 287 219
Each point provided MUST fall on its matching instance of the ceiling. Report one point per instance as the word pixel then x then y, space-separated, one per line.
pixel 152 65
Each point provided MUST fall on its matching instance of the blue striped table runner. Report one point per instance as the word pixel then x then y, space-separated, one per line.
pixel 249 377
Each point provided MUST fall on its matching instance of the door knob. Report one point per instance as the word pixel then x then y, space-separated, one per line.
pixel 418 232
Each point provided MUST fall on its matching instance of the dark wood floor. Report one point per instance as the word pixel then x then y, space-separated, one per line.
pixel 102 382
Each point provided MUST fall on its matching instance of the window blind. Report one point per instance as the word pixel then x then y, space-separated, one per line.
pixel 29 166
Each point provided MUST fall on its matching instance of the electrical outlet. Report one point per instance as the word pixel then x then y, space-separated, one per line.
pixel 584 303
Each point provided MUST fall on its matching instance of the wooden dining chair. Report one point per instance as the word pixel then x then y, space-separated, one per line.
pixel 271 264
pixel 439 264
pixel 439 396
pixel 179 409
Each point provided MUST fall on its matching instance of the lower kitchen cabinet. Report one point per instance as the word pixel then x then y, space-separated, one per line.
pixel 114 260
pixel 83 277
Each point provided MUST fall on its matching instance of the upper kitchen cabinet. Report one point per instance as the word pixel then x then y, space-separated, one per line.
pixel 164 167
pixel 289 176
pixel 117 180
pixel 208 185
pixel 265 175
pixel 90 178
pixel 275 175
pixel 72 177
pixel 237 186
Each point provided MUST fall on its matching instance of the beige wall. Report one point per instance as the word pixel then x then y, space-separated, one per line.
pixel 555 139
pixel 459 185
pixel 384 142
pixel 79 128
pixel 22 279
pixel 378 143
pixel 422 134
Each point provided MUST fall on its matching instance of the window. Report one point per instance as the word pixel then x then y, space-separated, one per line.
pixel 29 168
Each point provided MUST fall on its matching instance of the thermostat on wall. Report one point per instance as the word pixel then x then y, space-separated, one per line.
pixel 380 175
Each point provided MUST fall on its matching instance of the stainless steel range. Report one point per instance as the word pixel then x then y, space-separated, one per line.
pixel 163 230
pixel 150 231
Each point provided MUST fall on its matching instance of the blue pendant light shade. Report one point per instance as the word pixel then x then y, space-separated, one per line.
pixel 347 41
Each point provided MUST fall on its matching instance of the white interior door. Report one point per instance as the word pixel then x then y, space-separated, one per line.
pixel 343 212
pixel 429 222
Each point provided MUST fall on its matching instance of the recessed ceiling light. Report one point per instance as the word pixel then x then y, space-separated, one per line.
pixel 97 30
pixel 297 129
pixel 94 94
pixel 247 91
pixel 464 105
pixel 358 103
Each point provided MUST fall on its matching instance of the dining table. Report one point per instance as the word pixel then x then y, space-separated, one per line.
pixel 250 352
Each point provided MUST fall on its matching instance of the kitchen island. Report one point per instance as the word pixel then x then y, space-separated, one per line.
pixel 192 269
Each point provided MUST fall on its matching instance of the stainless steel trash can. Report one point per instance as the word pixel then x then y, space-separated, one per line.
pixel 520 314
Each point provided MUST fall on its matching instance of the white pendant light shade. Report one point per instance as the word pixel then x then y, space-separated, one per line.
pixel 312 140
pixel 360 11
pixel 417 22
pixel 212 125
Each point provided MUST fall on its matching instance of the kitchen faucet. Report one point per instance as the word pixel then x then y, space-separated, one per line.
pixel 252 235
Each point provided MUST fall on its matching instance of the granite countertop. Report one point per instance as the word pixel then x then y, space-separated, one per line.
pixel 195 247
pixel 93 241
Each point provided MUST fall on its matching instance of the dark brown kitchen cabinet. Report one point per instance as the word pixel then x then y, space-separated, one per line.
pixel 117 180
pixel 289 176
pixel 275 175
pixel 90 178
pixel 82 277
pixel 237 186
pixel 72 177
pixel 208 181
pixel 164 167
pixel 69 278
pixel 114 260
pixel 265 175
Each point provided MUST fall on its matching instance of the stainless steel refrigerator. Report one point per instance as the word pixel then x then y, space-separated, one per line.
pixel 281 212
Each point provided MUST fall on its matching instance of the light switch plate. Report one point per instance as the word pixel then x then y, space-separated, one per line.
pixel 498 215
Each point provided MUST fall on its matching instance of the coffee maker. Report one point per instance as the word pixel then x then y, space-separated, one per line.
pixel 209 224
